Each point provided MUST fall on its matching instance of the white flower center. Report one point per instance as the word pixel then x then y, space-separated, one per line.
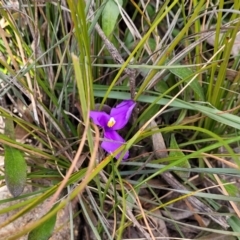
pixel 111 122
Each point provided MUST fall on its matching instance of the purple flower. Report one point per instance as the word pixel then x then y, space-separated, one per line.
pixel 116 120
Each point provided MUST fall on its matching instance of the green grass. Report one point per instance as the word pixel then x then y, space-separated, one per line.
pixel 58 62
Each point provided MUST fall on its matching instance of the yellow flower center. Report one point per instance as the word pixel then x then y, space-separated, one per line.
pixel 111 122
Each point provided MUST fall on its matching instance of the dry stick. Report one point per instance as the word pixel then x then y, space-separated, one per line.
pixel 118 59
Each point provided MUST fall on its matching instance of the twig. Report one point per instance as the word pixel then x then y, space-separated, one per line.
pixel 117 58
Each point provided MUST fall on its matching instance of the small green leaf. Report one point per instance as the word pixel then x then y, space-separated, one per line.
pixel 110 16
pixel 161 86
pixel 184 73
pixel 234 222
pixel 44 231
pixel 14 164
pixel 179 154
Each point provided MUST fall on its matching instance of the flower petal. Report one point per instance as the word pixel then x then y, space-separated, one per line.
pixel 100 118
pixel 121 113
pixel 115 141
